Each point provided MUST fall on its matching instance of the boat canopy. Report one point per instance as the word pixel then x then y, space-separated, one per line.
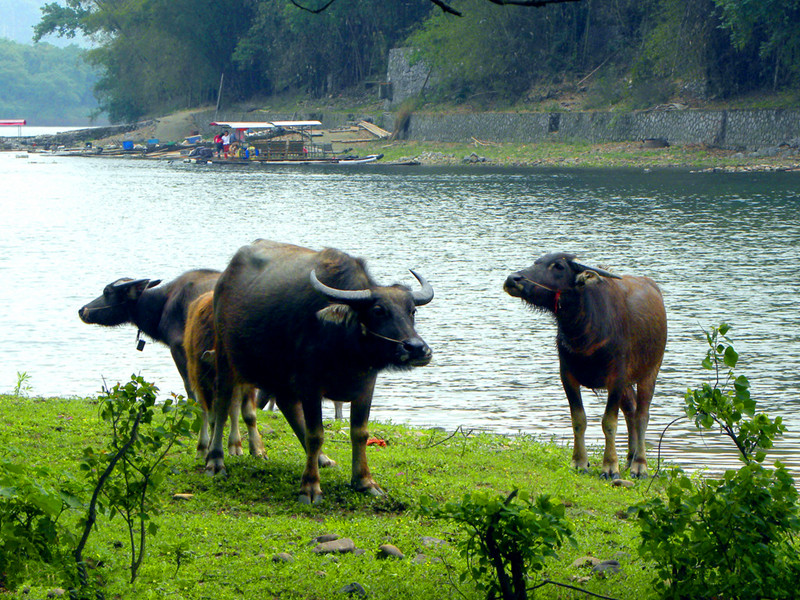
pixel 13 122
pixel 265 124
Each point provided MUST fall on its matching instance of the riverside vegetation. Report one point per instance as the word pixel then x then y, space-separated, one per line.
pixel 450 498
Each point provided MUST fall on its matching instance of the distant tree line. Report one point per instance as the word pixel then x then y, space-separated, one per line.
pixel 160 55
pixel 46 85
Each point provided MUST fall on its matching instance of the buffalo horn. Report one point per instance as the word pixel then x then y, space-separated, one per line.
pixel 344 296
pixel 601 272
pixel 133 282
pixel 424 295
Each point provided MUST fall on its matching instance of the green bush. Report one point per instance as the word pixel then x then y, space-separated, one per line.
pixel 29 529
pixel 127 473
pixel 506 541
pixel 730 537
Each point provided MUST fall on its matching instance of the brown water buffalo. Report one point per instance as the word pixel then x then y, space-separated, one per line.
pixel 302 324
pixel 158 312
pixel 199 345
pixel 611 334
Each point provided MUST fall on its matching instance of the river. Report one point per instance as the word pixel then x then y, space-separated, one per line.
pixel 721 246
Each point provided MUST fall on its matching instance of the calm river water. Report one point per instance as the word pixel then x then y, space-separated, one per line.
pixel 722 247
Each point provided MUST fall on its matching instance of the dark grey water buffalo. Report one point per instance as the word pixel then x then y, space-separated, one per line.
pixel 611 334
pixel 159 312
pixel 199 343
pixel 302 324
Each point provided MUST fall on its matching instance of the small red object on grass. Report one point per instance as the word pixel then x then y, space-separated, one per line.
pixel 376 442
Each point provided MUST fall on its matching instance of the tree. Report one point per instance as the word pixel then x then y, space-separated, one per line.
pixel 772 27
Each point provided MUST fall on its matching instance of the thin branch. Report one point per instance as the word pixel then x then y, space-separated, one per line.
pixel 315 11
pixel 660 439
pixel 446 8
pixel 92 516
pixel 570 587
pixel 460 428
pixel 535 3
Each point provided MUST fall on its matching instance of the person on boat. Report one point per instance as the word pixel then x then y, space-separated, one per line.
pixel 218 144
pixel 226 143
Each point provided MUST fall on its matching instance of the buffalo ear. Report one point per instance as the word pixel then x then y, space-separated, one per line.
pixel 337 314
pixel 133 289
pixel 586 278
pixel 153 283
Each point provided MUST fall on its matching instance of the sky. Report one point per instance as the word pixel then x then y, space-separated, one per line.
pixel 19 18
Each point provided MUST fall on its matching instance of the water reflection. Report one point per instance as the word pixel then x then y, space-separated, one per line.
pixel 722 247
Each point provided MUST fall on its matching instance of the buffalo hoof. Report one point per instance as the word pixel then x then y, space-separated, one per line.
pixel 216 472
pixel 639 475
pixel 323 461
pixel 612 476
pixel 215 465
pixel 306 499
pixel 367 487
pixel 235 450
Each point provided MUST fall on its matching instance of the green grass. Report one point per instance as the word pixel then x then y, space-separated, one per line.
pixel 228 532
pixel 577 154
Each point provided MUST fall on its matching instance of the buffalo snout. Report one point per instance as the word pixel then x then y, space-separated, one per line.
pixel 514 284
pixel 415 352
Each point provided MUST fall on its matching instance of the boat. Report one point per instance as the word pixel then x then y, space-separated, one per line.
pixel 280 143
pixel 344 161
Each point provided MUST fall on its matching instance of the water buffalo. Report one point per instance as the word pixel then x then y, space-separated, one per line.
pixel 199 345
pixel 158 312
pixel 612 332
pixel 303 324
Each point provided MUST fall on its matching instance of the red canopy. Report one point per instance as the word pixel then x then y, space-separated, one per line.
pixel 13 122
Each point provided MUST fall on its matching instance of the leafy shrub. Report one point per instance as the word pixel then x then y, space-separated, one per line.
pixel 506 540
pixel 29 528
pixel 729 537
pixel 126 474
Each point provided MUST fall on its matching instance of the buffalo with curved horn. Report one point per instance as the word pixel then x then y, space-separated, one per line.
pixel 612 332
pixel 303 324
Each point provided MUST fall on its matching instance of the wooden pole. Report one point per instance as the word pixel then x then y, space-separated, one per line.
pixel 219 94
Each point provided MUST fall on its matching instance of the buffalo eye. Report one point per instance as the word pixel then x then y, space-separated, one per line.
pixel 557 266
pixel 378 311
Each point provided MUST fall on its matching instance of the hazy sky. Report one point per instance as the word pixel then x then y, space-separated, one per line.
pixel 19 18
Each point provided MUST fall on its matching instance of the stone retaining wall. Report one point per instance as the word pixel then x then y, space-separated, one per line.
pixel 731 129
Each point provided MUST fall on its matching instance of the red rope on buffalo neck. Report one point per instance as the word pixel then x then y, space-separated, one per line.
pixel 556 292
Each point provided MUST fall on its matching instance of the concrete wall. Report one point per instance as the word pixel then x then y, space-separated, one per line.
pixel 733 129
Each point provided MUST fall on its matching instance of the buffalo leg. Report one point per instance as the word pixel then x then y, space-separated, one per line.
pixel 254 441
pixel 580 459
pixel 235 436
pixel 310 489
pixel 361 479
pixel 293 412
pixel 644 395
pixel 610 419
pixel 628 405
pixel 223 394
pixel 338 410
pixel 204 438
pixel 179 356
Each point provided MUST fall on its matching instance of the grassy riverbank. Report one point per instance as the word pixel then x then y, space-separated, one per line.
pixel 220 543
pixel 570 155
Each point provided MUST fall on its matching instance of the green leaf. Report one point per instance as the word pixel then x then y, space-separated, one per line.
pixel 731 357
